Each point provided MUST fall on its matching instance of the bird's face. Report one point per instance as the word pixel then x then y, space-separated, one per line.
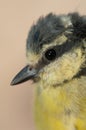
pixel 60 59
pixel 54 64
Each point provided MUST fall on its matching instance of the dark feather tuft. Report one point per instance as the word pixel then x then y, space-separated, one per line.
pixel 49 27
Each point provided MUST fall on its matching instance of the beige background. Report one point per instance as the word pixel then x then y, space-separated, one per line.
pixel 16 17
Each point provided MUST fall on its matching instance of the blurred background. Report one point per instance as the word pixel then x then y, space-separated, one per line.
pixel 16 18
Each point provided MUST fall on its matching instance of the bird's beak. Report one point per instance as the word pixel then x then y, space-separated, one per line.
pixel 25 74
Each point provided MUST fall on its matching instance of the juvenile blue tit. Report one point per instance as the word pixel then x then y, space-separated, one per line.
pixel 56 54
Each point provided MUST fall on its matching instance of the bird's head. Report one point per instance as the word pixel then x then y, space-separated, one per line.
pixel 55 50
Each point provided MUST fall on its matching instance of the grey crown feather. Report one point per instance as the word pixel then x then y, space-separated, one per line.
pixel 49 27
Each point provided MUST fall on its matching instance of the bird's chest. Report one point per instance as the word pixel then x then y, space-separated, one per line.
pixel 52 111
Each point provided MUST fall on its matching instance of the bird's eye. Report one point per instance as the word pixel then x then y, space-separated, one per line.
pixel 50 54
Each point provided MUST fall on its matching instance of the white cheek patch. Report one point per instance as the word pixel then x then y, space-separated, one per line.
pixel 64 68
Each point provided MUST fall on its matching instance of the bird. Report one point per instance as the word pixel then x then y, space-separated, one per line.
pixel 56 63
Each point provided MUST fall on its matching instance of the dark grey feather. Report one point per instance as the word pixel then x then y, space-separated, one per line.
pixel 49 27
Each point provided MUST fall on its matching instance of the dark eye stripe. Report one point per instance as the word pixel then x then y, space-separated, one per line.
pixel 60 50
pixel 66 47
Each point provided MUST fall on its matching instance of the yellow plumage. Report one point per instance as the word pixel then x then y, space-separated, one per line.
pixel 56 53
pixel 62 108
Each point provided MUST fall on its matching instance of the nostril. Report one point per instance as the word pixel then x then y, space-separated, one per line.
pixel 30 68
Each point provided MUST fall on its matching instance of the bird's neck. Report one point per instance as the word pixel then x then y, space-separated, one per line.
pixel 64 95
pixel 55 107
